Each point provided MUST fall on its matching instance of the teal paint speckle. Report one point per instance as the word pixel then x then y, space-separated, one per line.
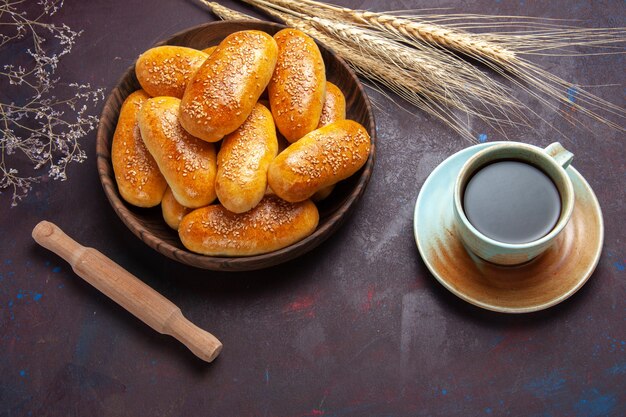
pixel 619 266
pixel 482 138
pixel 11 313
pixel 616 345
pixel 56 269
pixel 546 386
pixel 444 391
pixel 8 261
pixel 488 410
pixel 496 341
pixel 595 404
pixel 618 369
pixel 22 373
pixel 22 294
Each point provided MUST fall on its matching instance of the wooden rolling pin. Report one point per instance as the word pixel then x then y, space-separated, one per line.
pixel 128 291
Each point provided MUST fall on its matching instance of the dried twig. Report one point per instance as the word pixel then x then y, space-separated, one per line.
pixel 34 122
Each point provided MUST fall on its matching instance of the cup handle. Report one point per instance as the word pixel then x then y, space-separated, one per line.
pixel 562 156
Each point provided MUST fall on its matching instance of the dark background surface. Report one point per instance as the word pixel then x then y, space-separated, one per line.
pixel 357 327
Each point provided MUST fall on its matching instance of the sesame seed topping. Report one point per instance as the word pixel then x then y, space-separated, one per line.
pixel 167 73
pixel 138 163
pixel 225 229
pixel 237 56
pixel 297 80
pixel 246 148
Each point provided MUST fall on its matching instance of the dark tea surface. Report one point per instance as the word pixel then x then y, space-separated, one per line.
pixel 512 202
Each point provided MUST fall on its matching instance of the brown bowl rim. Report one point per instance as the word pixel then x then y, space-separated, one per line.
pixel 244 263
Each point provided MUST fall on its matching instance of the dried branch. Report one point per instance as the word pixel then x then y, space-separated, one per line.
pixel 37 126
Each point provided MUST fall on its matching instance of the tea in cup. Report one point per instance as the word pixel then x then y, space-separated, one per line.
pixel 511 201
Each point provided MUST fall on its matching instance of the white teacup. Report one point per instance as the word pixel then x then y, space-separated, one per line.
pixel 552 161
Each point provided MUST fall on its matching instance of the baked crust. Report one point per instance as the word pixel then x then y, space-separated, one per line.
pixel 271 225
pixel 173 211
pixel 243 161
pixel 319 159
pixel 296 90
pixel 226 87
pixel 136 172
pixel 166 70
pixel 188 164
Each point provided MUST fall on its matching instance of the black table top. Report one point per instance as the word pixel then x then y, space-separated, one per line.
pixel 358 326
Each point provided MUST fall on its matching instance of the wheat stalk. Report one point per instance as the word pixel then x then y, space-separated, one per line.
pixel 225 13
pixel 373 68
pixel 505 60
pixel 450 82
pixel 375 44
pixel 526 35
pixel 441 30
pixel 429 71
pixel 435 73
pixel 430 33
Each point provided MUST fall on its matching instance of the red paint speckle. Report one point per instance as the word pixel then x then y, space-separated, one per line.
pixel 367 305
pixel 303 304
pixel 323 349
pixel 316 412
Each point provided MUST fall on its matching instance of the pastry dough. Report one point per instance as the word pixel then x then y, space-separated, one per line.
pixel 187 163
pixel 137 175
pixel 226 87
pixel 273 224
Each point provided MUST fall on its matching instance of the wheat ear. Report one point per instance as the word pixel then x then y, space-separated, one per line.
pixel 449 31
pixel 371 64
pixel 368 68
pixel 539 83
pixel 430 33
pixel 503 61
pixel 457 84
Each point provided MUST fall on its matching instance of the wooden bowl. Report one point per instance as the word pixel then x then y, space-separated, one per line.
pixel 148 224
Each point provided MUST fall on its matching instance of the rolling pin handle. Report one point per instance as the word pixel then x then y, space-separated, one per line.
pixel 51 237
pixel 202 343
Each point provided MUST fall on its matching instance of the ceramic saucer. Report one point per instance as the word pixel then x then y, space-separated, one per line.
pixel 541 283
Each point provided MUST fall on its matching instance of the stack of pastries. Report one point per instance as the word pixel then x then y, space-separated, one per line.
pixel 236 174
